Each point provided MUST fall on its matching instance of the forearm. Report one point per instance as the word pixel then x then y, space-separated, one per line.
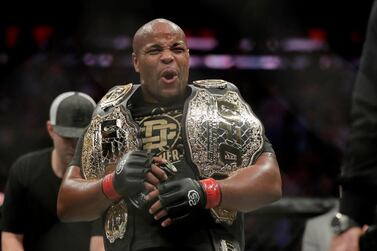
pixel 252 187
pixel 11 242
pixel 80 199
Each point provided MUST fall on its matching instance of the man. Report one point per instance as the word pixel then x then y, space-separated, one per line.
pixel 29 217
pixel 189 159
pixel 359 173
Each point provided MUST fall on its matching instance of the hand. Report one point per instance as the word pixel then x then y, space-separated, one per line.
pixel 347 241
pixel 136 171
pixel 177 199
pixel 160 171
pixel 131 171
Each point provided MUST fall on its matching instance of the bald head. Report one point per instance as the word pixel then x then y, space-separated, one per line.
pixel 159 24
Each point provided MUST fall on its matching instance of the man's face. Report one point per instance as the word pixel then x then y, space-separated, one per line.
pixel 65 147
pixel 162 59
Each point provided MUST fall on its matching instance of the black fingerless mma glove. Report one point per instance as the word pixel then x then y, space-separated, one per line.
pixel 180 197
pixel 128 178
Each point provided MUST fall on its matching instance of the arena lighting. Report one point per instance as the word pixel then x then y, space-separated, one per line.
pixel 303 45
pixel 219 61
pixel 262 62
pixel 246 44
pixel 196 61
pixel 195 43
pixel 42 34
pixel 105 60
pixel 268 62
pixel 316 33
pixel 89 59
pixel 202 43
pixel 292 44
pixel 121 42
pixel 11 35
pixel 102 59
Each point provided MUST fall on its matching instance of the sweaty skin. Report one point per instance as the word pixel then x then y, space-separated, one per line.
pixel 161 57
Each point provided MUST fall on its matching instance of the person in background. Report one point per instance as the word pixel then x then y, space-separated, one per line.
pixel 358 178
pixel 170 165
pixel 29 215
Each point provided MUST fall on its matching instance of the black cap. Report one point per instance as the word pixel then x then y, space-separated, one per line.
pixel 70 113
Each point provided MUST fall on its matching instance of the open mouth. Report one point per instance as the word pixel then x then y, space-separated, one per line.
pixel 169 76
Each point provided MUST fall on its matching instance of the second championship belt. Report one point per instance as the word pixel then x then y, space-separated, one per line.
pixel 110 135
pixel 223 134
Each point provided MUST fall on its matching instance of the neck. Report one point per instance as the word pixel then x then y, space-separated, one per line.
pixel 57 164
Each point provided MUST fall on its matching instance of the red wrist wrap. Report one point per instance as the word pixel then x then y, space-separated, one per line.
pixel 108 188
pixel 213 192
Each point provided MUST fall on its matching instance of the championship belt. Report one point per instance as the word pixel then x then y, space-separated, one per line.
pixel 110 135
pixel 223 134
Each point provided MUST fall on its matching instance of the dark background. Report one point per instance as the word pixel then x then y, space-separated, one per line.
pixel 302 94
pixel 48 48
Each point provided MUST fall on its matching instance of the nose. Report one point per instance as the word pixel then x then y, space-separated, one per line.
pixel 167 56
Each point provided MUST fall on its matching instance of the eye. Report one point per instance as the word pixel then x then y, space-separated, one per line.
pixel 153 51
pixel 178 50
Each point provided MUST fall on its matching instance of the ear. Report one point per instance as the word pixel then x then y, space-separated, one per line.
pixel 135 62
pixel 50 128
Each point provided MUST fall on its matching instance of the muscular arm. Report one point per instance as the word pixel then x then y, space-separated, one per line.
pixel 80 199
pixel 244 190
pixel 84 200
pixel 11 241
pixel 253 186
